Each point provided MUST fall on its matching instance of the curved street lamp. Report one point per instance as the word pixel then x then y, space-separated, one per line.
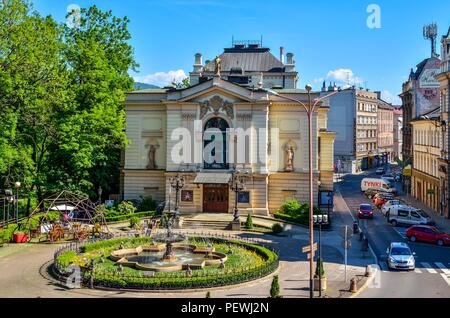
pixel 17 185
pixel 310 109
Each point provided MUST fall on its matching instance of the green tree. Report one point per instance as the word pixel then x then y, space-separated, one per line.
pixel 185 83
pixel 249 222
pixel 275 287
pixel 92 133
pixel 319 268
pixel 33 79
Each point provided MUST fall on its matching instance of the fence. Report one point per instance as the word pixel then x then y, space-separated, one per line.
pixel 179 279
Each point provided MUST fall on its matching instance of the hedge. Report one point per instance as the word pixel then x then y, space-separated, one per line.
pixel 114 281
pixel 118 281
pixel 126 217
pixel 114 243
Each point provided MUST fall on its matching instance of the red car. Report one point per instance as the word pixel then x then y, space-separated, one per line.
pixel 365 211
pixel 429 234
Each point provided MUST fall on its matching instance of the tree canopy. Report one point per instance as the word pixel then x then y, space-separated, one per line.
pixel 61 94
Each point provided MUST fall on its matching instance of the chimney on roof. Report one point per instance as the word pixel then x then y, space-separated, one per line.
pixel 290 63
pixel 378 94
pixel 198 64
pixel 282 54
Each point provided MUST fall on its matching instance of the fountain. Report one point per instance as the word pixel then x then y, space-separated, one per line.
pixel 168 256
pixel 169 238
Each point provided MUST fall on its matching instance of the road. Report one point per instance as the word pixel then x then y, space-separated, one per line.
pixel 432 275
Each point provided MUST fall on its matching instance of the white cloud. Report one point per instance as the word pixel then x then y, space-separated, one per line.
pixel 318 80
pixel 162 79
pixel 390 98
pixel 345 76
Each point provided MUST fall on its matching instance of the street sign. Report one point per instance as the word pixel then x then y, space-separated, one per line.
pixel 309 255
pixel 307 248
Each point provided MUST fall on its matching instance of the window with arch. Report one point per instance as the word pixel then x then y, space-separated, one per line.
pixel 215 144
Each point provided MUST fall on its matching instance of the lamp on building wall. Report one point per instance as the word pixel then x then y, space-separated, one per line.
pixel 310 110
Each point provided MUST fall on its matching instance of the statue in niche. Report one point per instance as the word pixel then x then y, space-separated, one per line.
pixel 289 161
pixel 151 157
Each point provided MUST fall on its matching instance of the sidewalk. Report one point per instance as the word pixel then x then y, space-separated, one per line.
pixel 441 222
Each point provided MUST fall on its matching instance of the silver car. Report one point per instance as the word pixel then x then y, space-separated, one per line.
pixel 400 257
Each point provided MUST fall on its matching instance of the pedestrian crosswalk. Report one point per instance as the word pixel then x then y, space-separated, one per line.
pixel 429 268
pixel 425 267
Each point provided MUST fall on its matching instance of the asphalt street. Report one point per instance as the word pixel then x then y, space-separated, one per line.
pixel 432 275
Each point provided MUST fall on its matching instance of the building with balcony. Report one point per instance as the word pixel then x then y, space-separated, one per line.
pixel 222 123
pixel 444 160
pixel 354 117
pixel 385 131
pixel 425 183
pixel 398 128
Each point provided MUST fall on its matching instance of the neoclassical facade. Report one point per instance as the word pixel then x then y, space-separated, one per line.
pixel 219 125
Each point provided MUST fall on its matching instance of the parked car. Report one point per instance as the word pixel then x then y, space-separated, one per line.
pixel 380 171
pixel 389 177
pixel 399 256
pixel 365 211
pixel 379 184
pixel 408 215
pixel 385 207
pixel 370 193
pixel 428 234
pixel 382 198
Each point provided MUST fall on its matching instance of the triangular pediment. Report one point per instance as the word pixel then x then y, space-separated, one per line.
pixel 214 87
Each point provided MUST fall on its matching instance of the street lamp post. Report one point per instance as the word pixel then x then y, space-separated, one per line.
pixel 177 183
pixel 237 184
pixel 310 110
pixel 17 186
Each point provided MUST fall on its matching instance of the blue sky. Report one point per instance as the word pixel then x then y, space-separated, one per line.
pixel 327 37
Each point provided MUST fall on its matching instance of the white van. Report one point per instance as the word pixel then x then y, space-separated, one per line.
pixel 381 185
pixel 407 215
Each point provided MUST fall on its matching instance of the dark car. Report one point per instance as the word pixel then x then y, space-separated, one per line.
pixel 365 211
pixel 428 234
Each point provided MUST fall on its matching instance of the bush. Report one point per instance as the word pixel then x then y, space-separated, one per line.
pixel 319 268
pixel 291 207
pixel 134 221
pixel 277 228
pixel 126 207
pixel 249 222
pixel 146 204
pixel 208 295
pixel 275 288
pixel 117 218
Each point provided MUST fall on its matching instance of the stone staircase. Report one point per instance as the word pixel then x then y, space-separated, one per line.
pixel 205 224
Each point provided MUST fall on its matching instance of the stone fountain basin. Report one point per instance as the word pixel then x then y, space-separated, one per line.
pixel 121 257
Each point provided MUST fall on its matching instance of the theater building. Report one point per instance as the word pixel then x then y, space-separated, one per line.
pixel 227 121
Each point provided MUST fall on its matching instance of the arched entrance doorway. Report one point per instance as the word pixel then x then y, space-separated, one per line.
pixel 215 141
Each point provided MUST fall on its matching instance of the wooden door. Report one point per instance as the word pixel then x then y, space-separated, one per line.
pixel 215 198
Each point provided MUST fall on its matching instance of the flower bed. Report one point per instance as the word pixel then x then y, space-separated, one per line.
pixel 245 262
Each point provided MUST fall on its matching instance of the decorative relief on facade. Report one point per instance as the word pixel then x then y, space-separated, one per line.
pixel 244 117
pixel 188 116
pixel 216 104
